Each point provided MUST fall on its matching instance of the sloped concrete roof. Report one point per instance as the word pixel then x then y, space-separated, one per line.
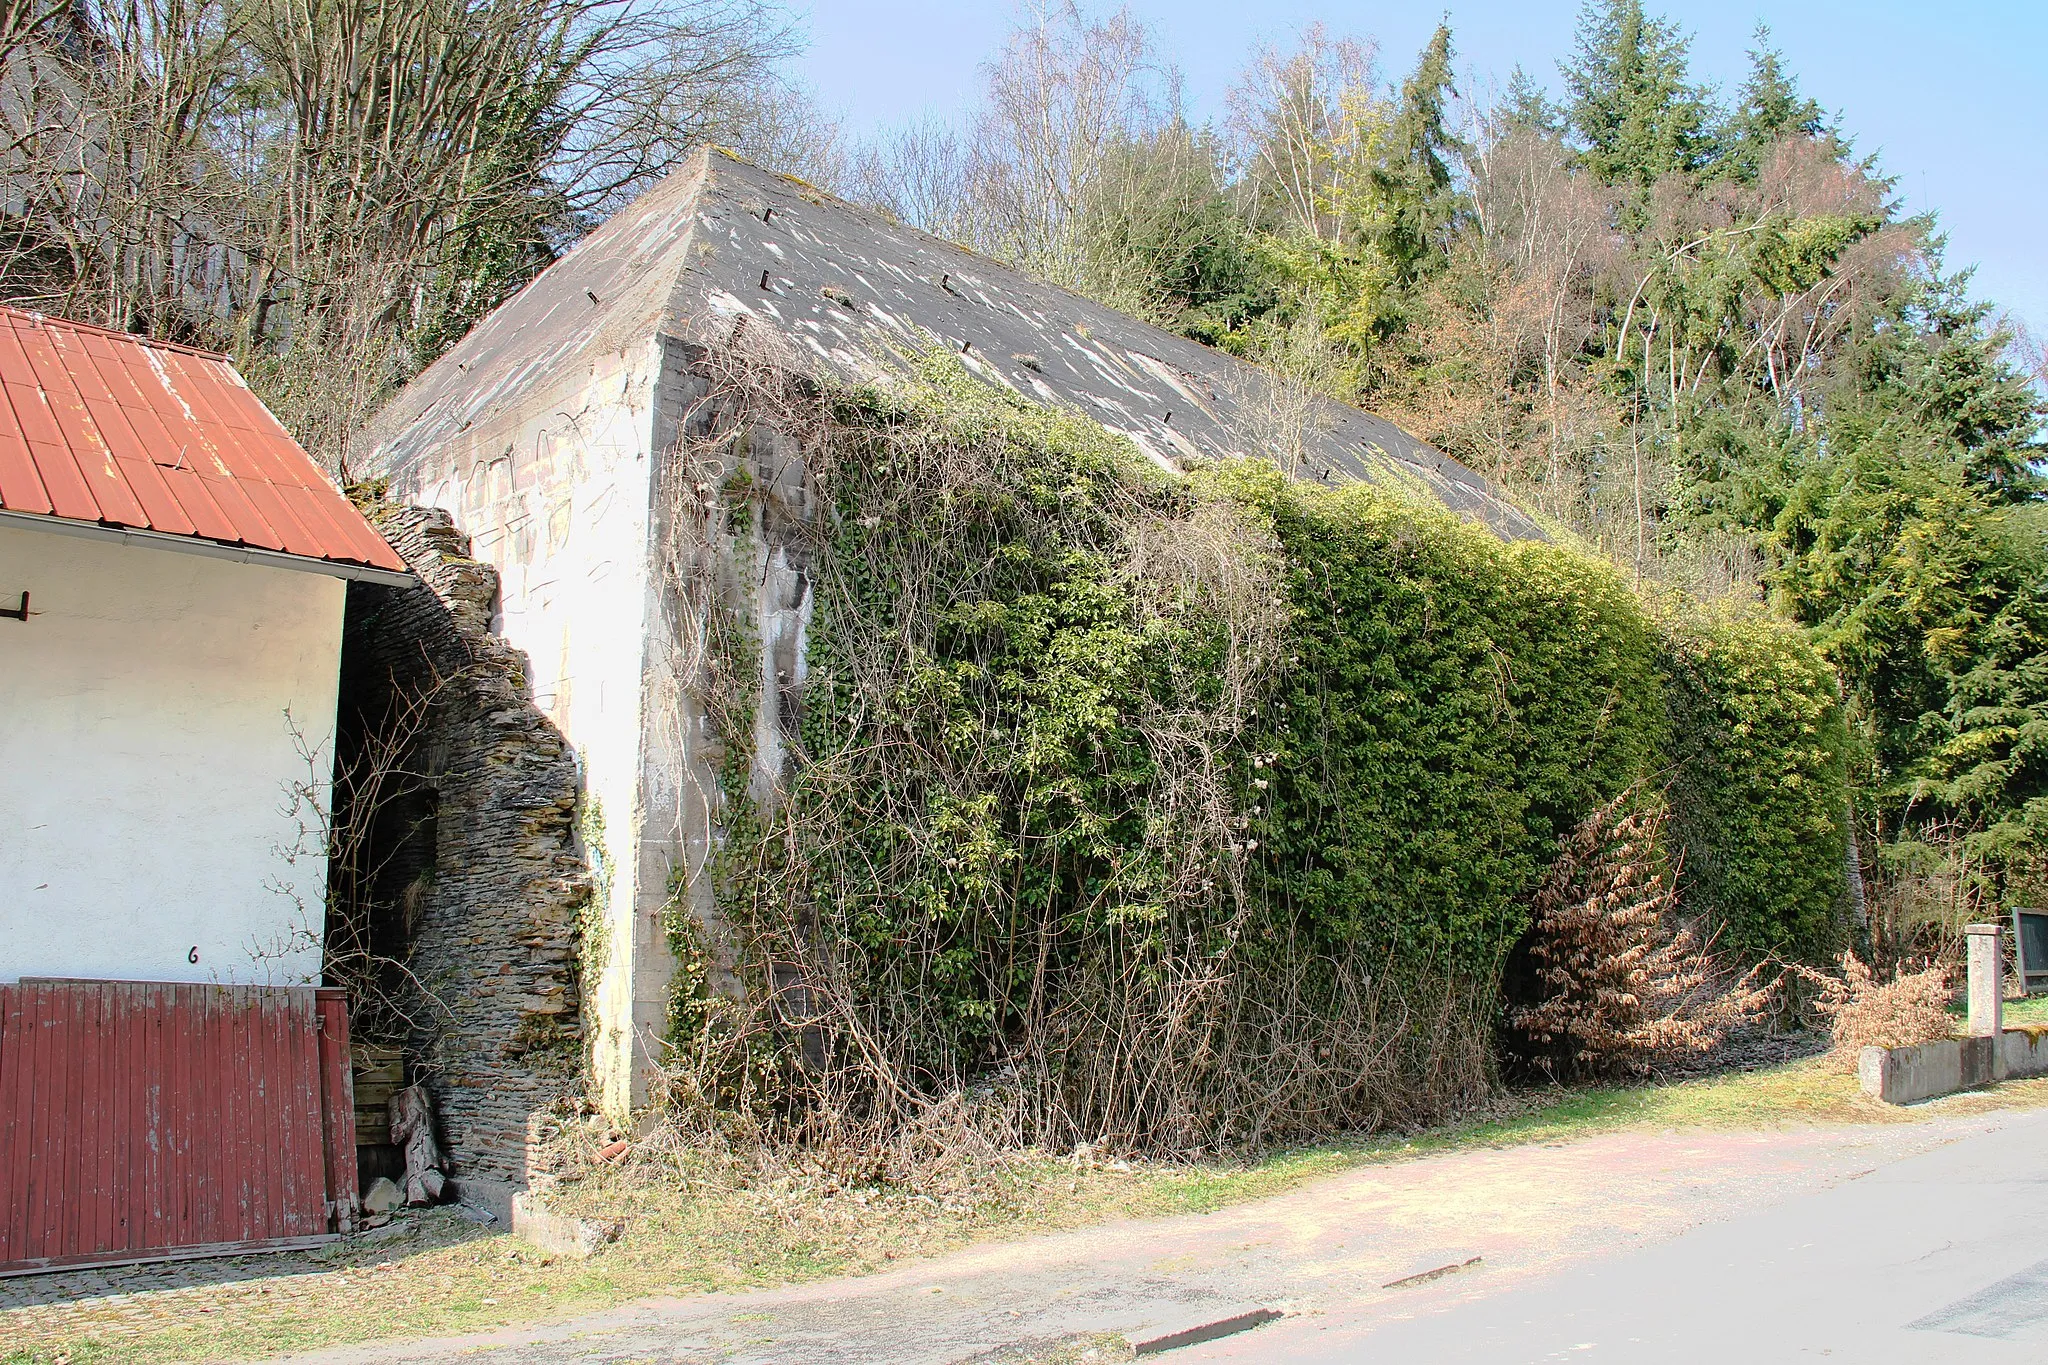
pixel 857 297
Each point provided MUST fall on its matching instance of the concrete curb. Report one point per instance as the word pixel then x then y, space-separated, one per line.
pixel 1905 1075
pixel 1196 1335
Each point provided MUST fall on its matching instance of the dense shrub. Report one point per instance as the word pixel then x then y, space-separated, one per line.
pixel 1449 707
pixel 1760 783
pixel 1187 812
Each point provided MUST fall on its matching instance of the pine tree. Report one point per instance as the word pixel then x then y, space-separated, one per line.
pixel 1965 390
pixel 1634 109
pixel 1911 533
pixel 1769 108
pixel 1525 108
pixel 1414 182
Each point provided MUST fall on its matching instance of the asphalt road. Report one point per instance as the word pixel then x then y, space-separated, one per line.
pixel 1938 1258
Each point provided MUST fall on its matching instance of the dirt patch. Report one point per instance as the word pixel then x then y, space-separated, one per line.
pixel 1745 1051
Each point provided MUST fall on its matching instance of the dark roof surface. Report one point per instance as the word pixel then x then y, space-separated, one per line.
pixel 857 297
pixel 121 431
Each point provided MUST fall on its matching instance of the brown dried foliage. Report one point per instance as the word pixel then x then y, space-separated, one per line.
pixel 1621 983
pixel 1864 1011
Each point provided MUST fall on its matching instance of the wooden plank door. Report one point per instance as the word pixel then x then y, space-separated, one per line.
pixel 147 1120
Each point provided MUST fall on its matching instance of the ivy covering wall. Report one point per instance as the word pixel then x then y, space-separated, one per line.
pixel 1203 810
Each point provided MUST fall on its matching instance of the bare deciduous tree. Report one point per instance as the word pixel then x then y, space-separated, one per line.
pixel 1069 89
pixel 1305 121
pixel 336 189
pixel 1550 231
pixel 922 174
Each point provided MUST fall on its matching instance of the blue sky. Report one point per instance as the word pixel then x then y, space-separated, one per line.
pixel 1949 95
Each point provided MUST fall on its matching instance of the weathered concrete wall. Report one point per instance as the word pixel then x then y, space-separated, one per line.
pixel 553 484
pixel 1906 1075
pixel 606 566
pixel 157 810
pixel 2024 1050
pixel 534 433
pixel 732 537
pixel 483 863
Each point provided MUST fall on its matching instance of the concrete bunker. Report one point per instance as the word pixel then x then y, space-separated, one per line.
pixel 553 437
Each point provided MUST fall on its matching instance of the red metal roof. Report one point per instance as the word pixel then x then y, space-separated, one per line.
pixel 123 431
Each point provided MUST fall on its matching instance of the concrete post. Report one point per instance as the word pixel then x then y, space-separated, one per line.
pixel 1987 984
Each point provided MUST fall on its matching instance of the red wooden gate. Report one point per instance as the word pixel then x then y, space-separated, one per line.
pixel 141 1120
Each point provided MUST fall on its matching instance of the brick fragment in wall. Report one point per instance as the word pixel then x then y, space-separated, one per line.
pixel 501 896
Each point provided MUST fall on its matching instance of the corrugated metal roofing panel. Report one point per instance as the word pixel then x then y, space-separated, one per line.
pixel 127 432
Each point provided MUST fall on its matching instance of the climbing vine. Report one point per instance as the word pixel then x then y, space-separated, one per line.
pixel 1185 811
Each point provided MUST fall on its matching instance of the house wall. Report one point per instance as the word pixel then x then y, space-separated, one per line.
pixel 553 489
pixel 149 763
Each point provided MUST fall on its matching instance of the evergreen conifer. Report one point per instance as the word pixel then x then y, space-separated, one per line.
pixel 1634 109
pixel 1769 108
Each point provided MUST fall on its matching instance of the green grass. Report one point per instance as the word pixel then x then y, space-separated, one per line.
pixel 2031 1010
pixel 84 1353
pixel 689 1229
pixel 2025 1011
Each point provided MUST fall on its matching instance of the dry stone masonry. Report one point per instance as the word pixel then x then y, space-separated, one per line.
pixel 494 879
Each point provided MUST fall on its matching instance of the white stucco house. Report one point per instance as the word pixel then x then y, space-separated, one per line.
pixel 173 569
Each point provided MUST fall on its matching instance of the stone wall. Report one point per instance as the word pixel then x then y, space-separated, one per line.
pixel 480 883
